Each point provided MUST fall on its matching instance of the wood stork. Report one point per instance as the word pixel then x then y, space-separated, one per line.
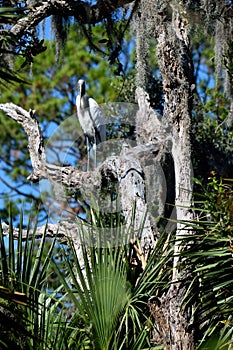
pixel 91 120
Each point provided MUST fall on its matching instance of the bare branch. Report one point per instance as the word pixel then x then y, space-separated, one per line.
pixel 66 175
pixel 84 12
pixel 64 231
pixel 52 231
pixel 35 139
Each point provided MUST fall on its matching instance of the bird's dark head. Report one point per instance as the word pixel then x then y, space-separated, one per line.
pixel 81 87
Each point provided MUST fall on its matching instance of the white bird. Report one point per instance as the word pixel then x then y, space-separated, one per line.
pixel 91 120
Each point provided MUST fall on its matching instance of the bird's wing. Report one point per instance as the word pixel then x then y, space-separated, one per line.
pixel 98 120
pixel 85 119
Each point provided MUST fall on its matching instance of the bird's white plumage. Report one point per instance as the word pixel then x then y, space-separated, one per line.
pixel 91 118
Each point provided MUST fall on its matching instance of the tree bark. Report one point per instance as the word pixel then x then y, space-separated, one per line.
pixel 173 321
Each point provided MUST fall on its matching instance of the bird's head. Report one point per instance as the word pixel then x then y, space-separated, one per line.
pixel 81 87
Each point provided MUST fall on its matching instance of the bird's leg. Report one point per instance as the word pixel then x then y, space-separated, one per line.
pixel 94 150
pixel 88 153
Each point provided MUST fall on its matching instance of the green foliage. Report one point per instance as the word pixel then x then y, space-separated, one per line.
pixel 110 293
pixel 100 302
pixel 218 200
pixel 212 140
pixel 53 85
pixel 29 308
pixel 211 137
pixel 9 46
pixel 210 254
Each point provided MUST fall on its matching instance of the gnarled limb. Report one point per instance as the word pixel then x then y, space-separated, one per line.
pixel 86 13
pixel 125 170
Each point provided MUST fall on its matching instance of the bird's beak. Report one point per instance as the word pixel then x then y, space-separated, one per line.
pixel 81 88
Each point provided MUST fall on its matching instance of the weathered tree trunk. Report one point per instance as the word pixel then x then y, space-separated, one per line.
pixel 169 27
pixel 177 73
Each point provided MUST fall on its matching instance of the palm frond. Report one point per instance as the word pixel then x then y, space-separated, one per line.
pixel 32 316
pixel 210 258
pixel 111 294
